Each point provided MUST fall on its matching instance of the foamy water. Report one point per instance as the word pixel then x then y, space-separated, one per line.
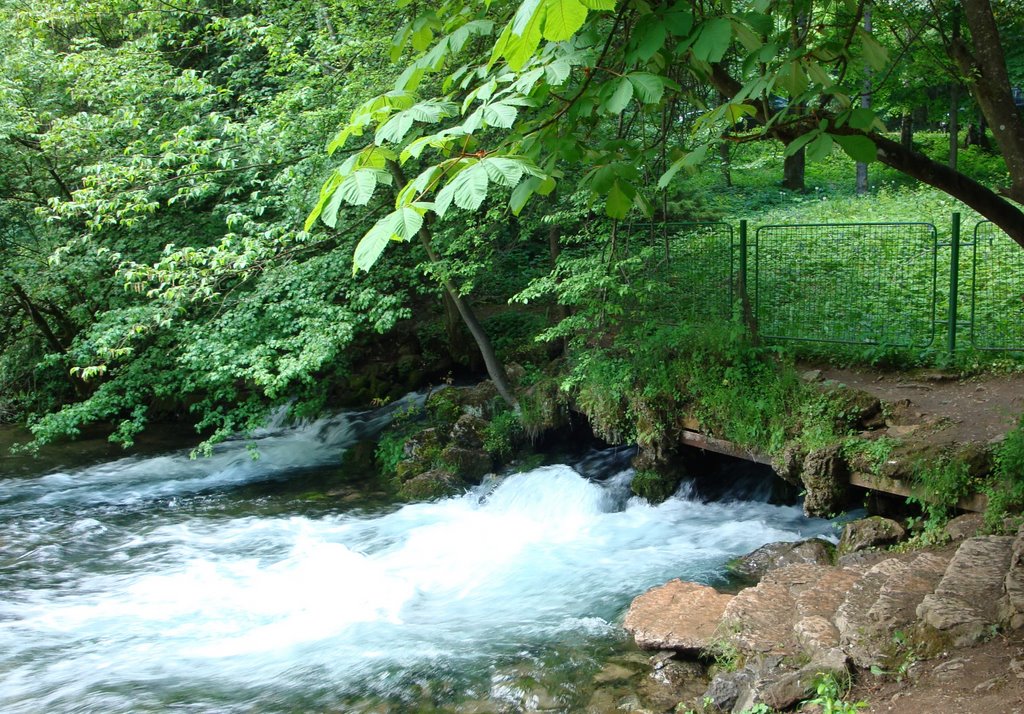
pixel 144 585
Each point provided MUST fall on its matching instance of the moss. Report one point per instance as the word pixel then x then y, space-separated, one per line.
pixel 655 487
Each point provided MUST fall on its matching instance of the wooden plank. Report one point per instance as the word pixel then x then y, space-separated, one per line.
pixel 977 502
pixel 721 446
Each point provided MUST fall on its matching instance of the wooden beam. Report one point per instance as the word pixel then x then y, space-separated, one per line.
pixel 977 502
pixel 721 446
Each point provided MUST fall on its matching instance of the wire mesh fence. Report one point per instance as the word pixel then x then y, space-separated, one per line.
pixel 865 284
pixel 693 264
pixel 997 290
pixel 870 284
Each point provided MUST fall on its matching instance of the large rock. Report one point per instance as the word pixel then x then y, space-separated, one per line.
pixel 679 615
pixel 789 612
pixel 468 432
pixel 1013 616
pixel 826 478
pixel 970 598
pixel 871 532
pixel 753 566
pixel 432 484
pixel 883 601
pixel 469 464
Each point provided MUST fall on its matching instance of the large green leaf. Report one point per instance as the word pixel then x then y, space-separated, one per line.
pixel 467 189
pixel 401 224
pixel 713 41
pixel 358 187
pixel 857 147
pixel 372 244
pixel 874 53
pixel 503 171
pixel 648 37
pixel 620 200
pixel 649 87
pixel 679 20
pixel 619 97
pixel 395 128
pixel 563 19
pixel 820 148
pixel 499 114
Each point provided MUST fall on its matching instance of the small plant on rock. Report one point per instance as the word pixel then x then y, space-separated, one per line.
pixel 829 696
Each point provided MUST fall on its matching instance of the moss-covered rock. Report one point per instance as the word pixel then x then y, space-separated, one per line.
pixel 871 532
pixel 435 483
pixel 826 477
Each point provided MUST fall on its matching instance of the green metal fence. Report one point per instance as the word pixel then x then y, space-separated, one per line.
pixel 864 284
pixel 887 284
pixel 695 264
pixel 997 290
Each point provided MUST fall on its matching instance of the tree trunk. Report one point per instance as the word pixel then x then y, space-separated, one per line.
pixel 793 172
pixel 723 153
pixel 907 131
pixel 495 369
pixel 865 103
pixel 37 319
pixel 954 124
pixel 987 77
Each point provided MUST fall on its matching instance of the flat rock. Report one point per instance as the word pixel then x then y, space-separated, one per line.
pixel 1014 584
pixel 768 557
pixel 886 600
pixel 970 596
pixel 679 615
pixel 763 618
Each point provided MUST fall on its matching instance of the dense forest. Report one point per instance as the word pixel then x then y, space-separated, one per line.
pixel 199 197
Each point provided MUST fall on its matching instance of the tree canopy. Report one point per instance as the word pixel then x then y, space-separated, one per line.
pixel 516 94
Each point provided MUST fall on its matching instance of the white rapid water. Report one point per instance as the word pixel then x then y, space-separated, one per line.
pixel 114 600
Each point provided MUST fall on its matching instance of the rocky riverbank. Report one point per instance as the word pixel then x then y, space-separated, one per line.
pixel 870 614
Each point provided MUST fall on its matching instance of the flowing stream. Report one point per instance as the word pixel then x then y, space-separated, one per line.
pixel 230 584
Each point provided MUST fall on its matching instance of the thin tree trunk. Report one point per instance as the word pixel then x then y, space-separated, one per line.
pixel 495 369
pixel 954 124
pixel 865 103
pixel 907 131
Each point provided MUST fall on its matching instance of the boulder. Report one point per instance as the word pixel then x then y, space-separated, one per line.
pixel 871 532
pixel 970 599
pixel 468 432
pixel 423 445
pixel 470 464
pixel 789 464
pixel 825 477
pixel 679 615
pixel 963 527
pixel 753 566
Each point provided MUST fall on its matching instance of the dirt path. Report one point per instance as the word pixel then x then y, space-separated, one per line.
pixel 943 408
pixel 985 679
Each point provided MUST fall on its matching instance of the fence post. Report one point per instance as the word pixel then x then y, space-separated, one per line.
pixel 743 255
pixel 954 282
pixel 748 311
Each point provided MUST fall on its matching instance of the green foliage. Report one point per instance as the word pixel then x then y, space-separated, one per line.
pixel 503 434
pixel 944 481
pixel 1005 490
pixel 829 696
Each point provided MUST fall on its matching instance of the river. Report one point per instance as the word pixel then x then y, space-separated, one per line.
pixel 226 584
